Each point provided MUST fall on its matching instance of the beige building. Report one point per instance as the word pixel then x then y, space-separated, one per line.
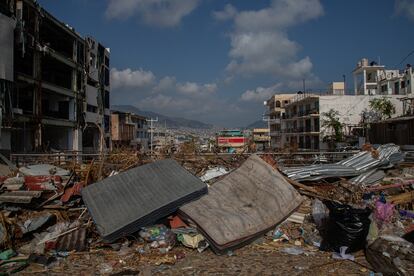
pixel 276 111
pixel 261 138
pixel 336 88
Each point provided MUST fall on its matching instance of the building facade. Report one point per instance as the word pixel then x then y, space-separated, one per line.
pixel 336 88
pixel 276 112
pixel 261 138
pixel 373 79
pixel 129 130
pixel 43 96
pixel 231 140
pixel 303 125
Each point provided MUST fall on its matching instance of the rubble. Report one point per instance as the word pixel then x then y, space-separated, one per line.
pixel 48 225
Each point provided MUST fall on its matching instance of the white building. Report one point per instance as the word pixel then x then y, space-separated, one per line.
pixel 374 79
pixel 303 125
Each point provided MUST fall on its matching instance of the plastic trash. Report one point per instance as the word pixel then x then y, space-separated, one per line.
pixel 319 212
pixel 105 268
pixel 293 250
pixel 383 211
pixel 7 254
pixel 159 236
pixel 191 241
pixel 342 254
pixel 346 226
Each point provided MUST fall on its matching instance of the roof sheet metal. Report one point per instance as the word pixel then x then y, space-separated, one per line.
pixel 124 203
pixel 358 164
pixel 19 196
pixel 75 240
pixel 245 203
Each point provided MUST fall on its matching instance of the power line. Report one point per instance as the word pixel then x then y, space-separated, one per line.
pixel 412 52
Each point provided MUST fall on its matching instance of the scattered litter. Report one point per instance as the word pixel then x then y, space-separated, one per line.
pixel 293 250
pixel 342 254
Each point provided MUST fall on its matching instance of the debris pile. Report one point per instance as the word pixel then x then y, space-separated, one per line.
pixel 125 214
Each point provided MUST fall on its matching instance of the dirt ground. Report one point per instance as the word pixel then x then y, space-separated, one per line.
pixel 263 258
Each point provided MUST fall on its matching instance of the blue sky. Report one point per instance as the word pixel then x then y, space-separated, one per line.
pixel 218 60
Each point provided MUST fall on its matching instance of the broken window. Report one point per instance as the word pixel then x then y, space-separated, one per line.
pixel 397 88
pixel 55 105
pixel 106 99
pixel 24 63
pixel 91 108
pixel 56 38
pixel 107 79
pixel 56 72
pixel 22 99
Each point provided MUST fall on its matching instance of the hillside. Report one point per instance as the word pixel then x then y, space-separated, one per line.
pixel 171 122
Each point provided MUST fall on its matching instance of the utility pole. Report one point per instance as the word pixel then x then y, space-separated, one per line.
pixel 152 131
pixel 344 83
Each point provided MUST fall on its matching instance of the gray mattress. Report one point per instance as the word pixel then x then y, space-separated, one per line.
pixel 122 204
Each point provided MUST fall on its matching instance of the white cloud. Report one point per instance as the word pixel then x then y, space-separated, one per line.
pixel 260 44
pixel 195 89
pixel 132 79
pixel 162 13
pixel 166 84
pixel 229 12
pixel 260 93
pixel 405 7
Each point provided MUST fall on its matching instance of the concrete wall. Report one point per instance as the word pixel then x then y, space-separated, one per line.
pixel 350 108
pixel 6 47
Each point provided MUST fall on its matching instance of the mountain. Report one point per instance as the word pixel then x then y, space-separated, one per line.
pixel 171 122
pixel 257 124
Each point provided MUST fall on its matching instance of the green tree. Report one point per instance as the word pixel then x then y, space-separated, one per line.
pixel 330 121
pixel 383 106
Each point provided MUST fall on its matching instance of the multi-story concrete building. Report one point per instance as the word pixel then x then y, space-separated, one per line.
pixel 96 102
pixel 261 138
pixel 303 126
pixel 47 83
pixel 276 111
pixel 374 79
pixel 129 130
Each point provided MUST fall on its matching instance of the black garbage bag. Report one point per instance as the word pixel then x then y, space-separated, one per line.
pixel 346 226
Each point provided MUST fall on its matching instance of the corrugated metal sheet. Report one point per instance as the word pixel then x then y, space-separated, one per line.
pixel 358 164
pixel 19 196
pixel 124 203
pixel 245 203
pixel 75 240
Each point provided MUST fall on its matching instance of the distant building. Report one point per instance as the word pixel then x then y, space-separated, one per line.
pixel 373 79
pixel 303 124
pixel 231 140
pixel 276 111
pixel 54 84
pixel 129 130
pixel 261 138
pixel 336 88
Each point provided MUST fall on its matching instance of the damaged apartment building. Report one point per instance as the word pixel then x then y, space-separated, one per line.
pixel 54 84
